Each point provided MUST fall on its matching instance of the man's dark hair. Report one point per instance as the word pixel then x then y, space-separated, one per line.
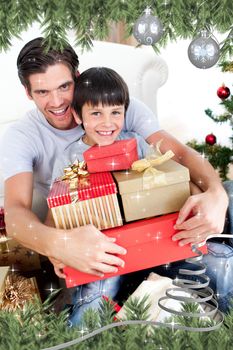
pixel 100 85
pixel 34 58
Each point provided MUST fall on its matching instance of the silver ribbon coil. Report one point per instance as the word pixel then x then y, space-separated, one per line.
pixel 198 292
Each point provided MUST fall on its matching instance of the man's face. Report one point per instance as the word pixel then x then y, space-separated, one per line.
pixel 102 123
pixel 52 93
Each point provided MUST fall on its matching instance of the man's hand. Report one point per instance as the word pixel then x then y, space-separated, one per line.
pixel 203 214
pixel 58 267
pixel 88 250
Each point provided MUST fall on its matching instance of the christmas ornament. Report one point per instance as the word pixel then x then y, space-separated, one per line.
pixel 210 139
pixel 148 29
pixel 203 51
pixel 223 92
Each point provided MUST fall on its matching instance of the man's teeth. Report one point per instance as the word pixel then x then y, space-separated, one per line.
pixel 59 111
pixel 105 133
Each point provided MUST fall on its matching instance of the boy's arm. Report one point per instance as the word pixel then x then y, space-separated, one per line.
pixel 75 247
pixel 208 207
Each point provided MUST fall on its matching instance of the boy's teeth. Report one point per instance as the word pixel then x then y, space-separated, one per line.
pixel 105 133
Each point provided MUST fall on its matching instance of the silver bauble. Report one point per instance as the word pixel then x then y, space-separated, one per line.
pixel 204 51
pixel 148 29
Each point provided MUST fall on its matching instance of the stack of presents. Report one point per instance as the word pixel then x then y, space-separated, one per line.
pixel 135 201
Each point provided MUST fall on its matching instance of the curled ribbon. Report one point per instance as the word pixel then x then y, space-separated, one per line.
pixel 76 174
pixel 151 176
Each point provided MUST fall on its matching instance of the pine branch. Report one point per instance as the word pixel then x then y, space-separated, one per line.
pixel 180 19
pixel 37 327
pixel 219 119
pixel 226 66
pixel 219 156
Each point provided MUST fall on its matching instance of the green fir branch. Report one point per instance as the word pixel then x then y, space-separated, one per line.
pixel 218 119
pixel 180 19
pixel 219 156
pixel 37 327
pixel 228 105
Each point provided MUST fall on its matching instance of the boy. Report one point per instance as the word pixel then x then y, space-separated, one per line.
pixel 101 99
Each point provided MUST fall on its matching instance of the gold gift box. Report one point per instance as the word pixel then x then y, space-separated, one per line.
pixel 18 257
pixel 161 198
pixel 3 273
pixel 16 290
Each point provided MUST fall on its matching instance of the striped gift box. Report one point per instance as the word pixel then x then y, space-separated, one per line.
pixel 94 201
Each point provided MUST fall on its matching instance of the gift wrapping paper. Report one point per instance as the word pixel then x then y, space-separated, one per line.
pixel 164 196
pixel 155 287
pixel 3 273
pixel 118 156
pixel 93 202
pixel 16 290
pixel 148 243
pixel 18 257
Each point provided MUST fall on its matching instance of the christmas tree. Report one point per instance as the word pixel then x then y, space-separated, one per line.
pixel 37 327
pixel 219 156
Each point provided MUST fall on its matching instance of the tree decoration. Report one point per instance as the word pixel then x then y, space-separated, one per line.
pixel 91 20
pixel 148 29
pixel 210 139
pixel 219 156
pixel 204 51
pixel 223 92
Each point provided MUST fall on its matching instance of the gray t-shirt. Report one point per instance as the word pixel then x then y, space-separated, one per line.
pixel 76 149
pixel 31 144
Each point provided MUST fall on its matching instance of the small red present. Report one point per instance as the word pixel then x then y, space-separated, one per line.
pixel 148 243
pixel 118 156
pixel 92 200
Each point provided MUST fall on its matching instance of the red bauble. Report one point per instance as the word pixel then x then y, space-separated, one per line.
pixel 210 139
pixel 223 92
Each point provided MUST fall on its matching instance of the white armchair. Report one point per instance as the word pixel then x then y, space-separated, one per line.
pixel 142 69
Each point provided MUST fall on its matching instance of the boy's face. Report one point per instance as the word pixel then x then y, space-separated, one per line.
pixel 52 93
pixel 102 123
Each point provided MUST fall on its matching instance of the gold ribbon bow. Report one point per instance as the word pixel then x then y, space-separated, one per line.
pixel 151 176
pixel 76 173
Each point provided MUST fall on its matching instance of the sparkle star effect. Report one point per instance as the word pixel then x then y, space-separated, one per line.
pixel 13 269
pixel 51 289
pixel 173 324
pixel 65 237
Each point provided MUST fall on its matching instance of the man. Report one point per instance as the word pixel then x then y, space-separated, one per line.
pixel 30 146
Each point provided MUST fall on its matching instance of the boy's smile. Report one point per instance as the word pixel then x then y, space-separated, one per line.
pixel 102 124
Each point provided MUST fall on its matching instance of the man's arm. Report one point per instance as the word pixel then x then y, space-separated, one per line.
pixel 207 208
pixel 84 248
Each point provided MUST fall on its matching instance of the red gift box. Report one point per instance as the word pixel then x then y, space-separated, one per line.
pixel 148 243
pixel 93 201
pixel 118 156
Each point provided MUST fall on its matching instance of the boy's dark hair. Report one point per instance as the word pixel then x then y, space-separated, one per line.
pixel 100 85
pixel 33 58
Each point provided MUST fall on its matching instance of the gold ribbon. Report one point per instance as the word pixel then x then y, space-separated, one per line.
pixel 151 176
pixel 17 292
pixel 76 173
